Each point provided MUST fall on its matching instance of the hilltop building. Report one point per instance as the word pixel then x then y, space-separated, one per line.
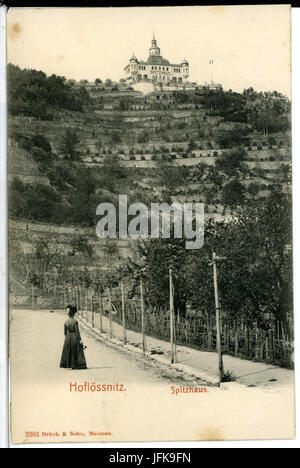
pixel 156 69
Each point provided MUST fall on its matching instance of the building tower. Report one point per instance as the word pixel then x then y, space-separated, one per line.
pixel 154 49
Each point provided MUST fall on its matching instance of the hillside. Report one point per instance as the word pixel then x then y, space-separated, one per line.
pixel 179 146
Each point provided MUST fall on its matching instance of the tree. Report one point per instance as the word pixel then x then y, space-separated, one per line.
pixel 115 138
pixel 68 145
pixel 233 193
pixel 231 161
pixel 236 136
pixel 260 260
pixel 156 257
pixel 81 245
pixel 112 173
pixel 98 81
pixel 253 188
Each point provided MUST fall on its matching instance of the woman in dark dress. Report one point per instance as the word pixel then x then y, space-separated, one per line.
pixel 72 354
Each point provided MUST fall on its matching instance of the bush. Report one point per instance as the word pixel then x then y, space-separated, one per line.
pixel 272 140
pixel 41 142
pixel 253 188
pixel 233 193
pixel 42 158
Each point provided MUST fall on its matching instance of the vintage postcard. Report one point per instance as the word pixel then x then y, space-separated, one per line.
pixel 150 224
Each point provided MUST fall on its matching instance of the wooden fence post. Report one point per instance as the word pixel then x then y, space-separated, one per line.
pixel 93 313
pixel 143 315
pixel 218 319
pixel 123 313
pixel 100 311
pixel 171 317
pixel 64 296
pixel 236 347
pixel 86 305
pixel 32 295
pixel 77 298
pixel 110 313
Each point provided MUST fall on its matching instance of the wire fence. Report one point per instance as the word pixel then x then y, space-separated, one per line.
pixel 242 338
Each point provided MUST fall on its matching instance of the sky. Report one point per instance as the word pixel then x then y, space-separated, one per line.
pixel 250 45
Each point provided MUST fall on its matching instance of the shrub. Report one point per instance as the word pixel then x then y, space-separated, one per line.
pixel 272 140
pixel 233 193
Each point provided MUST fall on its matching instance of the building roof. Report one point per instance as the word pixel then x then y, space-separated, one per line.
pixel 162 61
pixel 157 60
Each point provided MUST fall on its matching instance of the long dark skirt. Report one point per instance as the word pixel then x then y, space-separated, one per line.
pixel 72 353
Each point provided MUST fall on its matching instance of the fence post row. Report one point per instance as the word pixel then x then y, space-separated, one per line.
pixel 238 337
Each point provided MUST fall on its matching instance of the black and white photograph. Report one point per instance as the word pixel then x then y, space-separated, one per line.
pixel 150 233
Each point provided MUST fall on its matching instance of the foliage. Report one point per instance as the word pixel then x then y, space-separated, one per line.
pixel 234 137
pixel 35 202
pixel 32 93
pixel 230 161
pixel 233 193
pixel 255 273
pixel 68 145
pixel 81 246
